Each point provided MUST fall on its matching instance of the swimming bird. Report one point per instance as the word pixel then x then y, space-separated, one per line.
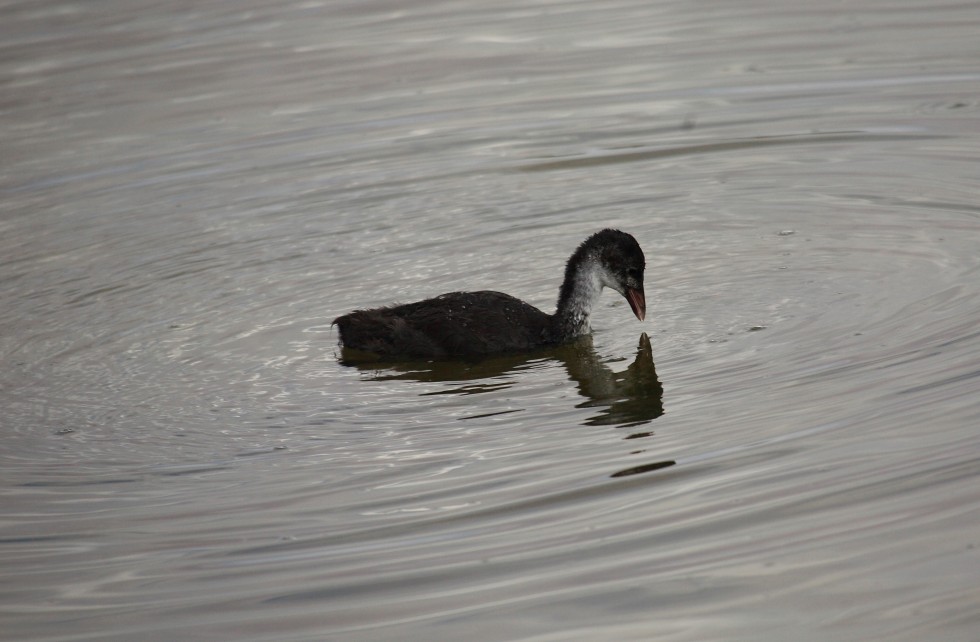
pixel 474 324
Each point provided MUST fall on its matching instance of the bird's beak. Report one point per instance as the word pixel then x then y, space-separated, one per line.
pixel 638 302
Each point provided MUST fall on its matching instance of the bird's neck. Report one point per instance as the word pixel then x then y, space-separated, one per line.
pixel 579 294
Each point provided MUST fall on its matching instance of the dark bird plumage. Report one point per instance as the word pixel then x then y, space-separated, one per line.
pixel 468 324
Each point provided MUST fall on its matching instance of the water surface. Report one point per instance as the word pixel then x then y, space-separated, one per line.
pixel 786 449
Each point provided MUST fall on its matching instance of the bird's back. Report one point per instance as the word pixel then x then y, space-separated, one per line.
pixel 458 324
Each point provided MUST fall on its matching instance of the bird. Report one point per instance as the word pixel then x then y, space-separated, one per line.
pixel 484 323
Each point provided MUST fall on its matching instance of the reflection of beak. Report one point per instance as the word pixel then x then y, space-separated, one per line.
pixel 637 302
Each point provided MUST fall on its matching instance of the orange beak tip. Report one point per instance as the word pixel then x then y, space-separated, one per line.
pixel 637 302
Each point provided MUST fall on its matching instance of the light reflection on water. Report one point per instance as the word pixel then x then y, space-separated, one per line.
pixel 189 198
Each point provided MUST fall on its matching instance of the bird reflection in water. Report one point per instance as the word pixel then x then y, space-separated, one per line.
pixel 626 399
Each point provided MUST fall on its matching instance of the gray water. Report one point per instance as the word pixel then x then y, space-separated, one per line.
pixel 190 193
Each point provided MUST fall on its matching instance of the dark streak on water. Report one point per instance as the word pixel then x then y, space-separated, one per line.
pixel 645 468
pixel 723 147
